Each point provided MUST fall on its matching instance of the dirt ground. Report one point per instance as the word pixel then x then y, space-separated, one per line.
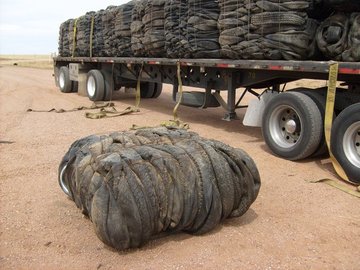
pixel 293 224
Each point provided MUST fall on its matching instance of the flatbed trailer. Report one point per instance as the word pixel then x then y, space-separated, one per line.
pixel 292 121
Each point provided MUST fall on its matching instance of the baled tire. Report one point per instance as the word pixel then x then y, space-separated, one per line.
pixel 137 185
pixel 65 84
pixel 345 141
pixel 95 85
pixel 291 125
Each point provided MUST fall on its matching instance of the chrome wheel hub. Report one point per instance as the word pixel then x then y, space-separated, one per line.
pixel 285 126
pixel 351 144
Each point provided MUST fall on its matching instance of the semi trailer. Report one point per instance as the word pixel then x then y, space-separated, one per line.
pixel 292 120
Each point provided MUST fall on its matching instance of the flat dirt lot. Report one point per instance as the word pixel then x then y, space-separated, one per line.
pixel 293 224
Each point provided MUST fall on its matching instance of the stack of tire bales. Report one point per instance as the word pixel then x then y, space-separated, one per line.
pixel 122 38
pixel 266 29
pixel 202 29
pixel 137 29
pixel 134 186
pixel 154 37
pixel 108 21
pixel 176 15
pixel 338 37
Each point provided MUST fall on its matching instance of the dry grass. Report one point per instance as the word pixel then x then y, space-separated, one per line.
pixel 33 61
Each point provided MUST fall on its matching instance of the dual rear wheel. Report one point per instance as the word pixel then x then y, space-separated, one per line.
pixel 293 128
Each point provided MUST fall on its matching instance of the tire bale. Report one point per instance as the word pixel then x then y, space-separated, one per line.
pixel 137 29
pixel 108 20
pixel 154 36
pixel 352 52
pixel 98 34
pixel 331 36
pixel 64 44
pixel 176 43
pixel 122 33
pixel 266 30
pixel 83 34
pixel 202 29
pixel 136 185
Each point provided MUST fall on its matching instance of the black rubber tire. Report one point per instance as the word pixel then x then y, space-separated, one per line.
pixel 302 112
pixel 157 90
pixel 147 90
pixel 74 86
pixel 95 85
pixel 65 84
pixel 346 129
pixel 109 86
pixel 191 99
pixel 320 101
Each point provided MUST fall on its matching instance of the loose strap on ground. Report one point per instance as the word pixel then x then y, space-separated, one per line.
pixel 94 106
pixel 110 112
pixel 345 187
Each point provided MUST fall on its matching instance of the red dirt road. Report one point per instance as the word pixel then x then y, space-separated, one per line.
pixel 292 225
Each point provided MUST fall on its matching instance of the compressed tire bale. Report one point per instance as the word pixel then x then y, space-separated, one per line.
pixel 154 36
pixel 137 29
pixel 266 30
pixel 134 186
pixel 108 20
pixel 352 52
pixel 98 37
pixel 122 33
pixel 64 45
pixel 331 36
pixel 83 31
pixel 202 28
pixel 176 43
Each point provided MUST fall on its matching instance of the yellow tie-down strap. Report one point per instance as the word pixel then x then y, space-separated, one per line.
pixel 329 112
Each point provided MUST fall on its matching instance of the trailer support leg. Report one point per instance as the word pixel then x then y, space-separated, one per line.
pixel 231 99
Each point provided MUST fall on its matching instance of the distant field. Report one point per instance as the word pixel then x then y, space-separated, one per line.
pixel 34 61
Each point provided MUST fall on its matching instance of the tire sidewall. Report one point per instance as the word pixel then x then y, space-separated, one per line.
pixel 99 85
pixel 67 87
pixel 344 120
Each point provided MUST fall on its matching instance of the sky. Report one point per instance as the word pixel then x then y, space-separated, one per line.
pixel 32 26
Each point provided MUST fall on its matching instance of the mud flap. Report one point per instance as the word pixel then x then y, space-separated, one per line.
pixel 254 112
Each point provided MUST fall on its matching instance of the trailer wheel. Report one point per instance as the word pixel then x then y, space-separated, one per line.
pixel 292 126
pixel 320 101
pixel 95 85
pixel 65 84
pixel 157 90
pixel 146 90
pixel 150 89
pixel 345 141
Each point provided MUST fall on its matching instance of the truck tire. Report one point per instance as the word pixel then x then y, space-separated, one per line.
pixel 109 86
pixel 292 126
pixel 95 85
pixel 345 141
pixel 150 90
pixel 65 84
pixel 146 89
pixel 157 90
pixel 320 101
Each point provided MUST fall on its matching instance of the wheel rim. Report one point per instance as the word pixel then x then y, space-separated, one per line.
pixel 62 182
pixel 62 80
pixel 285 126
pixel 351 144
pixel 91 86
